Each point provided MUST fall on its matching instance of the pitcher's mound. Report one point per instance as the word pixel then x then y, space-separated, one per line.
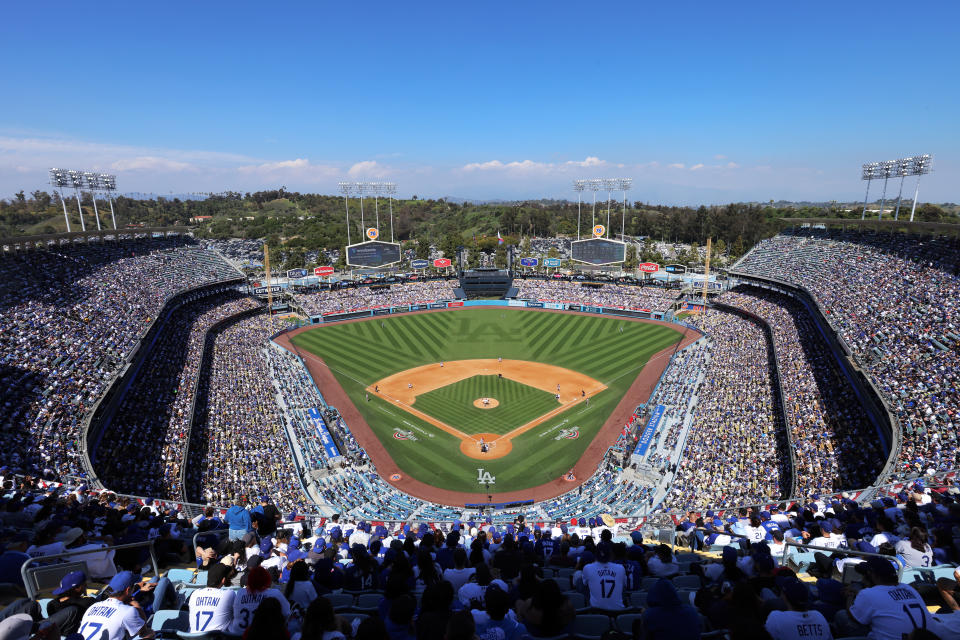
pixel 486 403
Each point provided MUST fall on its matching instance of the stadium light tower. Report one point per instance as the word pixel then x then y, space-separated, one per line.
pixel 624 184
pixel 886 170
pixel 870 171
pixel 578 186
pixel 920 166
pixel 76 181
pixel 92 182
pixel 390 188
pixel 109 184
pixel 361 187
pixel 346 188
pixel 58 180
pixel 610 185
pixel 594 185
pixel 901 169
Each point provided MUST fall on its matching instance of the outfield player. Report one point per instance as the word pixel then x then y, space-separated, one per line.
pixel 211 608
pixel 117 617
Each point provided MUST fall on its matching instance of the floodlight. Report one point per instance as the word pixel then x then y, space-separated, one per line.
pixel 579 185
pixel 624 184
pixel 59 179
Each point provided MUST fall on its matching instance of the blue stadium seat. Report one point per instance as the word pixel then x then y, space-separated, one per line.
pixel 624 622
pixel 169 621
pixel 340 601
pixel 183 576
pixel 590 626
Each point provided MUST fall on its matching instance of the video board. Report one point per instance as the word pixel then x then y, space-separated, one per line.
pixel 597 251
pixel 373 254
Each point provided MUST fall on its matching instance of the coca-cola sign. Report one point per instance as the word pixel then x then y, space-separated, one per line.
pixel 649 267
pixel 323 271
pixel 440 263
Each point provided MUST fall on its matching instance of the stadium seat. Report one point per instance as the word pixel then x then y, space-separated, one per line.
pixel 201 578
pixel 686 556
pixel 367 603
pixel 578 600
pixel 340 601
pixel 687 582
pixel 183 576
pixel 647 583
pixel 624 622
pixel 43 602
pixel 590 626
pixel 169 621
pixel 638 599
pixel 350 617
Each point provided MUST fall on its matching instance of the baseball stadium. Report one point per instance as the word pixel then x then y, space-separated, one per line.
pixel 384 322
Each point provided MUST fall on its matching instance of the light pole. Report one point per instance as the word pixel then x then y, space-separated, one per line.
pixel 578 186
pixel 869 173
pixel 625 184
pixel 919 167
pixel 92 182
pixel 390 188
pixel 59 178
pixel 346 188
pixel 76 181
pixel 886 170
pixel 609 185
pixel 109 184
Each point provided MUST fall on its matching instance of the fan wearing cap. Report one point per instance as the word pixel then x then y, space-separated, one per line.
pixel 891 610
pixel 119 616
pixel 70 602
pixel 211 608
pixel 605 580
pixel 248 599
pixel 799 622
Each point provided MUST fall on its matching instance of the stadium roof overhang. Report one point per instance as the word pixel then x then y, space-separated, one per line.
pixel 876 225
pixel 26 242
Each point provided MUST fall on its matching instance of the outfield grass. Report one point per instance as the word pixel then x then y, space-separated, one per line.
pixel 608 349
pixel 453 404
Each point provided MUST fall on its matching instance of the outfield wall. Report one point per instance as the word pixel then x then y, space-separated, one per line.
pixel 430 305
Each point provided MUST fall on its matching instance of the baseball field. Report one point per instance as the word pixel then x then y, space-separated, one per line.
pixel 519 394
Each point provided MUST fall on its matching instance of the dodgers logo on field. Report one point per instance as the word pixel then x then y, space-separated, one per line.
pixel 396 477
pixel 400 434
pixel 372 233
pixel 484 477
pixel 567 434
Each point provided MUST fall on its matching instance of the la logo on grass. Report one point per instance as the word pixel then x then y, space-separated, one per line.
pixel 484 477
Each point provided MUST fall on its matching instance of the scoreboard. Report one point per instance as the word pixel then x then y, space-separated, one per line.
pixel 598 251
pixel 373 254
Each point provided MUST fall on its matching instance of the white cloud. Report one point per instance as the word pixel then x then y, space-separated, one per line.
pixel 697 166
pixel 676 165
pixel 150 163
pixel 298 169
pixel 531 165
pixel 364 168
pixel 732 165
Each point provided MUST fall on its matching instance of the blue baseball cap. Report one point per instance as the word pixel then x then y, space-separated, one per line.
pixel 70 581
pixel 122 581
pixel 294 555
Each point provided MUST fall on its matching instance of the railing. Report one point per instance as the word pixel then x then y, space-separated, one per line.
pixel 851 552
pixel 28 574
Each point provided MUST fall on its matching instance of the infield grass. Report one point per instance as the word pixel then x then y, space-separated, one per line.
pixel 518 404
pixel 611 350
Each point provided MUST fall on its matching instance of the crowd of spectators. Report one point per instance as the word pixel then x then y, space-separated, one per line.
pixel 261 575
pixel 894 299
pixel 70 316
pixel 731 454
pixel 609 294
pixel 240 450
pixel 836 446
pixel 396 294
pixel 141 452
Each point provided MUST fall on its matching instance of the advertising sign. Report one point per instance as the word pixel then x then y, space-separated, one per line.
pixel 516 303
pixel 675 268
pixel 262 291
pixel 373 254
pixel 455 304
pixel 329 446
pixel 535 305
pixel 599 230
pixel 598 251
pixel 438 305
pixel 372 233
pixel 419 264
pixel 440 263
pixel 648 267
pixel 553 305
pixel 529 262
pixel 323 271
pixel 644 443
pixel 551 262
pixel 297 273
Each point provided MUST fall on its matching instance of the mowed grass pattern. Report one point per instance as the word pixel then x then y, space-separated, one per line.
pixel 453 404
pixel 609 349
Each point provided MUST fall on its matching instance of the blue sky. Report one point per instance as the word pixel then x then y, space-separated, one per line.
pixel 698 102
